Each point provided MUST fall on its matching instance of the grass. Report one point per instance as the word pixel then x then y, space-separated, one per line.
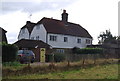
pixel 109 71
pixel 13 65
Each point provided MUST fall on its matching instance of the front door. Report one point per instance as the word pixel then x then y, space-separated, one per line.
pixel 42 54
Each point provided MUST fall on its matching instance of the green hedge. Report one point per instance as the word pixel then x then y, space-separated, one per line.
pixel 57 57
pixel 9 52
pixel 88 50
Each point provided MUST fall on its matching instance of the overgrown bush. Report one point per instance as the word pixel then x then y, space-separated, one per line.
pixel 58 57
pixel 49 58
pixel 9 52
pixel 75 50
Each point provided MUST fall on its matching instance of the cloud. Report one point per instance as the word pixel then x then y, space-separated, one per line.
pixel 34 5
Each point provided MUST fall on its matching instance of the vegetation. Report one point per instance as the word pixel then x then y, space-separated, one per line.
pixel 88 50
pixel 13 65
pixel 59 57
pixel 9 52
pixel 107 37
pixel 109 71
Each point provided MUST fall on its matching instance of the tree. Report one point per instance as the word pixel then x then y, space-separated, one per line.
pixel 9 52
pixel 106 37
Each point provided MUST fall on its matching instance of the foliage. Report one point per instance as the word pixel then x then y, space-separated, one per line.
pixel 11 64
pixel 88 50
pixel 75 50
pixel 107 37
pixel 9 52
pixel 49 57
pixel 109 71
pixel 58 57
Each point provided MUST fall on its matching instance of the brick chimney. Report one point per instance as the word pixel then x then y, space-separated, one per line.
pixel 64 16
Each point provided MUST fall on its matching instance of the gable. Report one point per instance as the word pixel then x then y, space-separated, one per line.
pixel 29 25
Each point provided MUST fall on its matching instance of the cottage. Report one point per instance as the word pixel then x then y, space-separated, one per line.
pixel 60 34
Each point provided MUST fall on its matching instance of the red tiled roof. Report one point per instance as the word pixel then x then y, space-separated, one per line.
pixel 59 27
pixel 26 43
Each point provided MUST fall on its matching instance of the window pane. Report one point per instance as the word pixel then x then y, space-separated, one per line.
pixel 65 39
pixel 53 38
pixel 78 40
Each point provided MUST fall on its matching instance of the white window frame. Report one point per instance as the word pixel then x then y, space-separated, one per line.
pixel 53 38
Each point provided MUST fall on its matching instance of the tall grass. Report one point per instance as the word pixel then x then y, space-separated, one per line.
pixel 109 71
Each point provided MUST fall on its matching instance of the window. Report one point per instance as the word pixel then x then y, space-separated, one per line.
pixel 65 39
pixel 78 40
pixel 53 38
pixel 60 51
pixel 88 41
pixel 32 38
pixel 37 38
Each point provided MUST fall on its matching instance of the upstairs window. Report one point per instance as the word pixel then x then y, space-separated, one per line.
pixel 78 40
pixel 65 39
pixel 37 38
pixel 53 38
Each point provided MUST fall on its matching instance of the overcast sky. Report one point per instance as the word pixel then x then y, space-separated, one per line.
pixel 95 16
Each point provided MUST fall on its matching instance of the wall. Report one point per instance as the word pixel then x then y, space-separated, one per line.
pixel 40 31
pixel 72 41
pixel 24 34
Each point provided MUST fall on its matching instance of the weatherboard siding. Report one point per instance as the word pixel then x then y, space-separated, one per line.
pixel 72 41
pixel 40 31
pixel 24 34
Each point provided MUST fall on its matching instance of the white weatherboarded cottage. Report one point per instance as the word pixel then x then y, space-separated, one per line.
pixel 57 33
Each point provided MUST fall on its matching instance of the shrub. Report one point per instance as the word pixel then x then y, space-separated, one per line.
pixel 89 51
pixel 9 52
pixel 49 58
pixel 75 50
pixel 58 57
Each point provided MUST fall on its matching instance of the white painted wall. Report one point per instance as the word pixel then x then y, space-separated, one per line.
pixel 72 41
pixel 40 31
pixel 24 34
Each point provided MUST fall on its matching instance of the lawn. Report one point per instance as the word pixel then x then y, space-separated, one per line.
pixel 109 71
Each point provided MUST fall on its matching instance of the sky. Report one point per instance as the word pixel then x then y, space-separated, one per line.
pixel 95 16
